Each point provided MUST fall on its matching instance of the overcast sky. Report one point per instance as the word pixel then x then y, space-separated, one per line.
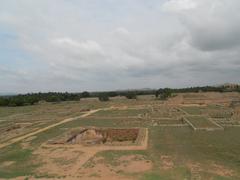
pixel 76 45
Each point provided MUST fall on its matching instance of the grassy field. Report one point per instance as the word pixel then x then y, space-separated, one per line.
pixel 192 110
pixel 174 152
pixel 201 122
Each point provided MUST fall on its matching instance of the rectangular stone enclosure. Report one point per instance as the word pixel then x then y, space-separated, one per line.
pixel 101 136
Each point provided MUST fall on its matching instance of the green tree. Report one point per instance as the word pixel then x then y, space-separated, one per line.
pixel 166 93
pixel 53 98
pixel 85 94
pixel 4 101
pixel 32 100
pixel 16 101
pixel 103 97
pixel 131 95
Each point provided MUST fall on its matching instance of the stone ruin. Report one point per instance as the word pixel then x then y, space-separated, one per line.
pixel 98 136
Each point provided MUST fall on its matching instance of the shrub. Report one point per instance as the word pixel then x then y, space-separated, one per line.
pixel 131 95
pixel 85 94
pixel 165 93
pixel 4 101
pixel 103 97
pixel 16 101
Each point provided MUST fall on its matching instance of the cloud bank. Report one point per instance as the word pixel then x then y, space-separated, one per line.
pixel 91 45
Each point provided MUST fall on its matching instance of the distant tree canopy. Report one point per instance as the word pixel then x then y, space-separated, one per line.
pixel 163 93
pixel 131 95
pixel 199 89
pixel 238 89
pixel 31 99
pixel 4 101
pixel 103 97
pixel 85 94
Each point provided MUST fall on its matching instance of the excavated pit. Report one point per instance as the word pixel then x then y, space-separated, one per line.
pixel 98 136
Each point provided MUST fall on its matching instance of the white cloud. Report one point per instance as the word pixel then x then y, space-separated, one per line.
pixel 89 46
pixel 122 31
pixel 212 25
pixel 179 5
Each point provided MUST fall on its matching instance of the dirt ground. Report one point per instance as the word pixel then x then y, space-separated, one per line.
pixel 166 162
pixel 72 163
pixel 128 164
pixel 213 168
pixel 69 160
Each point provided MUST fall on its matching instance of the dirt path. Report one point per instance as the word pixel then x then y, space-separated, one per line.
pixel 17 139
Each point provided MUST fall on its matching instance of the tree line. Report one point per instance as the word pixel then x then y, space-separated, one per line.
pixel 162 93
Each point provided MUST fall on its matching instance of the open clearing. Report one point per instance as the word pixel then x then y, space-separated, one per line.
pixel 123 139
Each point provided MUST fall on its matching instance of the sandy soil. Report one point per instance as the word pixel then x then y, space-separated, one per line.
pixel 59 161
pixel 125 165
pixel 212 168
pixel 221 170
pixel 134 164
pixel 166 162
pixel 66 160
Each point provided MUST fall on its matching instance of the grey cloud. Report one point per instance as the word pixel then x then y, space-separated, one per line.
pixel 213 25
pixel 138 44
pixel 211 37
